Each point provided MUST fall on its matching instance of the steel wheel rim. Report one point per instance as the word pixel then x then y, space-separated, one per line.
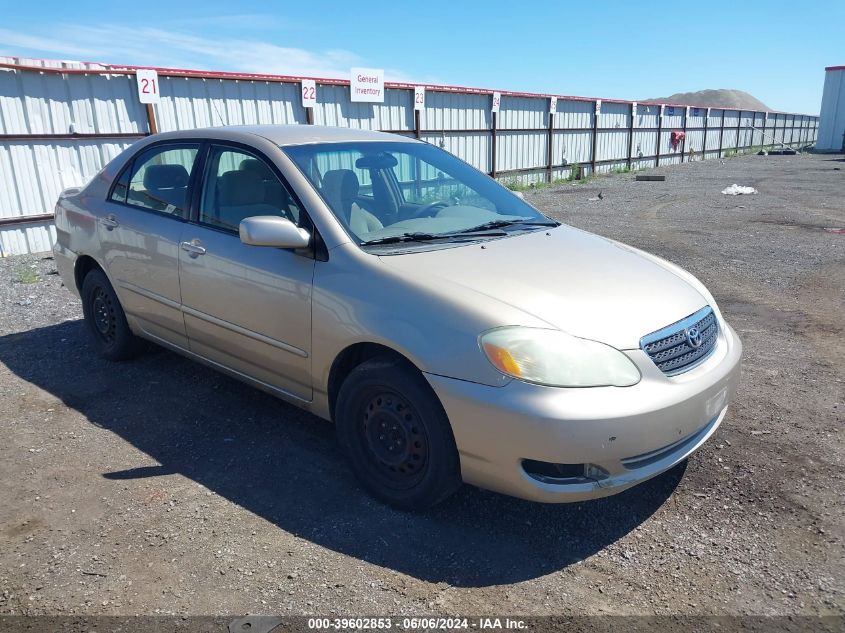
pixel 394 439
pixel 103 315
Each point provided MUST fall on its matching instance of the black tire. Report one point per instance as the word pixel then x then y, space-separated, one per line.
pixel 396 435
pixel 106 320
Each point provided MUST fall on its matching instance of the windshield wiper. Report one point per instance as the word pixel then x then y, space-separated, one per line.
pixel 497 224
pixel 405 237
pixel 426 237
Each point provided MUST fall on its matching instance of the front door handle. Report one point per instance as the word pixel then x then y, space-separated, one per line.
pixel 110 222
pixel 193 248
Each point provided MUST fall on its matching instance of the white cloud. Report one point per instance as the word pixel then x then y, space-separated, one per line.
pixel 148 46
pixel 14 40
pixel 249 21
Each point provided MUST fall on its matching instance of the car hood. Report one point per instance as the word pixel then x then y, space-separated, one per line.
pixel 583 284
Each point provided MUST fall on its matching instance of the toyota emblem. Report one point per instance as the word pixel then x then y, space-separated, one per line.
pixel 693 335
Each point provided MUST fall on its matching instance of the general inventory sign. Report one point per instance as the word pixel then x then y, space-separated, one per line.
pixel 367 85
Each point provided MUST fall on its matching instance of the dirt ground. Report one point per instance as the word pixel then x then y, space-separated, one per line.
pixel 158 486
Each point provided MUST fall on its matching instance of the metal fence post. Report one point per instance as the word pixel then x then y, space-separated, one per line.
pixel 754 129
pixel 763 129
pixel 595 136
pixel 684 140
pixel 765 125
pixel 659 130
pixel 771 137
pixel 417 130
pixel 151 119
pixel 493 122
pixel 738 123
pixel 630 136
pixel 775 132
pixel 721 132
pixel 550 152
pixel 704 142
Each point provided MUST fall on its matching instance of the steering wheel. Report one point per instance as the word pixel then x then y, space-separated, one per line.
pixel 427 210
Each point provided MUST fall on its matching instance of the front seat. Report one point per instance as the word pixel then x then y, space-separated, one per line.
pixel 340 189
pixel 240 194
pixel 274 193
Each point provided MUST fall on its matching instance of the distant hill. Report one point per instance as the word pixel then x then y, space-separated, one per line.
pixel 721 98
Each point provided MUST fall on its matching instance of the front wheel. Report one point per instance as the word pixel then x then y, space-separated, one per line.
pixel 396 435
pixel 106 320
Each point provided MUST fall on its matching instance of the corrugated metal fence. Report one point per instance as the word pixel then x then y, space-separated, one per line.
pixel 832 118
pixel 61 122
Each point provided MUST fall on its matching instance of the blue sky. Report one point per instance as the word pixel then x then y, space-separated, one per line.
pixel 775 50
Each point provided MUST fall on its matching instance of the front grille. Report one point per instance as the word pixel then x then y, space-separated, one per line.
pixel 670 347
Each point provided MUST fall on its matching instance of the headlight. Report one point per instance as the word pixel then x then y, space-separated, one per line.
pixel 556 359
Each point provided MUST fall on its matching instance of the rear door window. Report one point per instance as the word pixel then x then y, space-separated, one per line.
pixel 159 179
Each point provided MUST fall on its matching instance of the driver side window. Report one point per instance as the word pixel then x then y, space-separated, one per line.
pixel 239 185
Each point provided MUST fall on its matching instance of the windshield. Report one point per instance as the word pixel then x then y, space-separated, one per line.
pixel 390 192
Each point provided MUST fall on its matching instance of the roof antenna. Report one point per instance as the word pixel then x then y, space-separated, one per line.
pixel 219 116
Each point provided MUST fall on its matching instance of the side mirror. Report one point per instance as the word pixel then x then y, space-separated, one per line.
pixel 271 230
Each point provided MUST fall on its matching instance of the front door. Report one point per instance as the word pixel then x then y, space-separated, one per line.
pixel 140 232
pixel 246 307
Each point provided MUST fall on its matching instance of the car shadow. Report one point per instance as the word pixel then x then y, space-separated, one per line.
pixel 283 464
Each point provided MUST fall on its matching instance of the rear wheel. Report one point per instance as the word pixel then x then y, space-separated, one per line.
pixel 396 435
pixel 106 320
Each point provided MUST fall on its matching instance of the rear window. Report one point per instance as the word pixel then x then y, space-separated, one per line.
pixel 158 179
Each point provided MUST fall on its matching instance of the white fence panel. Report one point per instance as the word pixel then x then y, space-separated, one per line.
pixel 60 122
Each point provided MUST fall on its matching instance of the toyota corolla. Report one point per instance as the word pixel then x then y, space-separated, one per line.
pixel 449 330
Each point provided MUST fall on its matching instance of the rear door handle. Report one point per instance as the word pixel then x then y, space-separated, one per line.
pixel 110 222
pixel 193 248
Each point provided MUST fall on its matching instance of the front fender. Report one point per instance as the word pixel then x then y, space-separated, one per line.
pixel 358 299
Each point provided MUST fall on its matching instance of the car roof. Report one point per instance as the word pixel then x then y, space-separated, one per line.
pixel 287 134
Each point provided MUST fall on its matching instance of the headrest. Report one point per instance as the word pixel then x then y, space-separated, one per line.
pixel 340 188
pixel 158 177
pixel 238 188
pixel 257 167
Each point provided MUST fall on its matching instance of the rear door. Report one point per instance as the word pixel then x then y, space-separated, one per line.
pixel 140 233
pixel 247 307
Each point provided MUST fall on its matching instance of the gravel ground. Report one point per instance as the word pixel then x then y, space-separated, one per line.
pixel 159 486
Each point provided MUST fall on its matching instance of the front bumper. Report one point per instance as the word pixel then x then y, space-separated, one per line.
pixel 627 434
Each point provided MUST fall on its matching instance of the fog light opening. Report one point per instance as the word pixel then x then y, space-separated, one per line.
pixel 548 472
pixel 596 473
